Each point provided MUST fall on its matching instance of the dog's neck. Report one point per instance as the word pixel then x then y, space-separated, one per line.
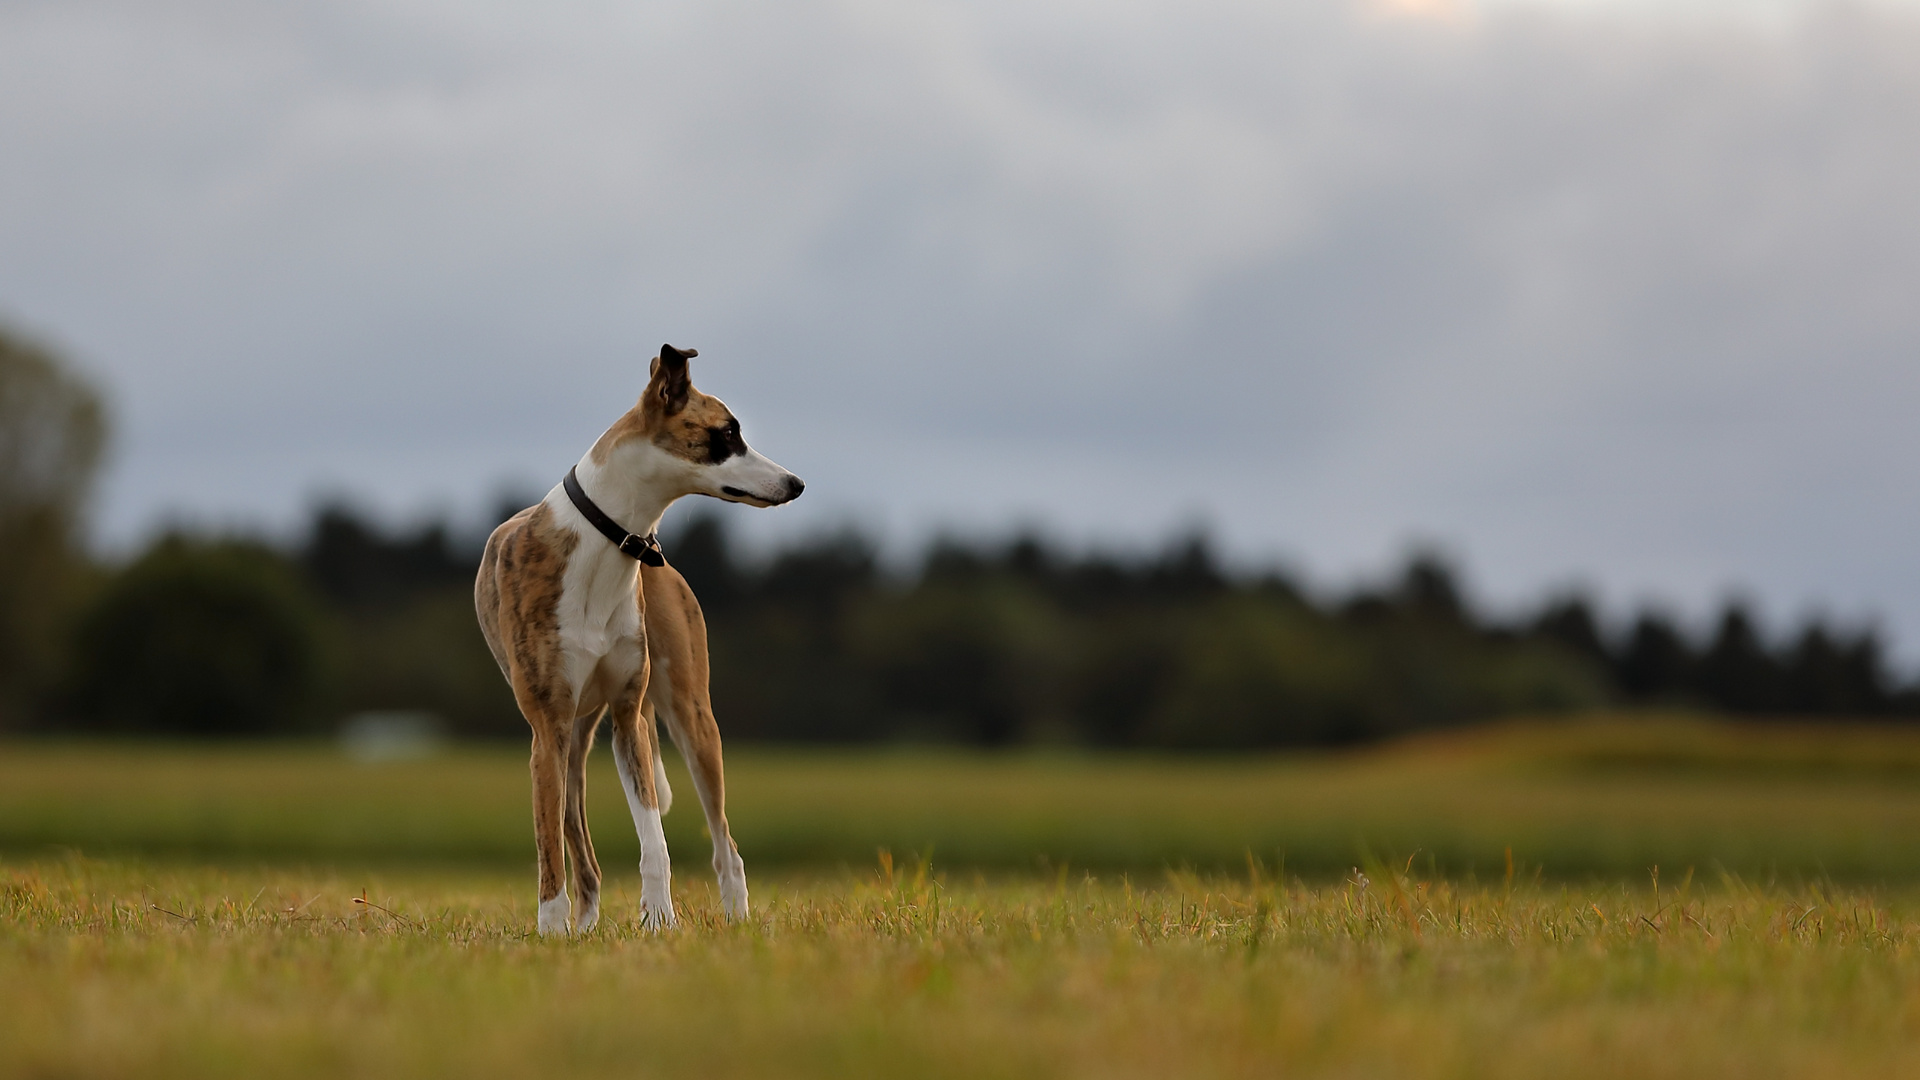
pixel 634 500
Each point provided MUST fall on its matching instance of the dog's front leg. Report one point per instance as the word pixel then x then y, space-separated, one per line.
pixel 549 766
pixel 634 752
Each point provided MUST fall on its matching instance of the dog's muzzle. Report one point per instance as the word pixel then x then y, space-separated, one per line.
pixel 795 486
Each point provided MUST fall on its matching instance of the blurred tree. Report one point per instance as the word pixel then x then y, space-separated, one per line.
pixel 426 655
pixel 402 602
pixel 979 663
pixel 1030 559
pixel 1429 589
pixel 1737 672
pixel 355 563
pixel 950 560
pixel 1249 672
pixel 785 660
pixel 1655 663
pixel 1833 674
pixel 1568 621
pixel 820 575
pixel 703 555
pixel 1427 592
pixel 992 642
pixel 200 638
pixel 52 430
pixel 1127 664
pixel 1187 569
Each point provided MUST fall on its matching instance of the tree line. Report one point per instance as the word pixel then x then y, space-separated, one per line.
pixel 996 642
pixel 989 643
pixel 1021 640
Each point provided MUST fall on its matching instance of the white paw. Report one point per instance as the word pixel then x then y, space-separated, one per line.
pixel 553 915
pixel 589 916
pixel 659 917
pixel 732 875
pixel 656 905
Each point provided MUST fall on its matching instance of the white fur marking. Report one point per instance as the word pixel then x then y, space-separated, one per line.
pixel 732 874
pixel 764 481
pixel 656 871
pixel 597 614
pixel 553 915
pixel 589 916
pixel 660 786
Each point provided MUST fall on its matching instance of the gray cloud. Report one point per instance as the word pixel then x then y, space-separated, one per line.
pixel 1583 293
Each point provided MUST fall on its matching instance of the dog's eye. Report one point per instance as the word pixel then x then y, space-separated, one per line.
pixel 723 442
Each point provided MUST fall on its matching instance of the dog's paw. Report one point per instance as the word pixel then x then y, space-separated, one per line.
pixel 553 916
pixel 657 918
pixel 656 906
pixel 589 916
pixel 733 889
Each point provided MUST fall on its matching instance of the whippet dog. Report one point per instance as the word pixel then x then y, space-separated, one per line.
pixel 585 618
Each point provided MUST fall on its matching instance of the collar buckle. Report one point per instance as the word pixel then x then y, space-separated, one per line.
pixel 644 548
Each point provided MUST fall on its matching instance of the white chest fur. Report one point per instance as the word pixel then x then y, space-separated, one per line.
pixel 599 617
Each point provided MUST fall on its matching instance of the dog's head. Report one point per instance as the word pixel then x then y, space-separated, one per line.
pixel 692 440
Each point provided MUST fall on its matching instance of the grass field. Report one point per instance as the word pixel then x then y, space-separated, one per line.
pixel 173 911
pixel 124 969
pixel 1569 801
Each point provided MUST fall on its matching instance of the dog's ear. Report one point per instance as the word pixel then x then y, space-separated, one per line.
pixel 668 377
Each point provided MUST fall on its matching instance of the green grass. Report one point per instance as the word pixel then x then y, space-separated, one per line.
pixel 191 911
pixel 1569 800
pixel 118 968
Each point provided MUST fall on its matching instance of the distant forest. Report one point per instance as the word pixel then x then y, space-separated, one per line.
pixel 991 644
pixel 1016 641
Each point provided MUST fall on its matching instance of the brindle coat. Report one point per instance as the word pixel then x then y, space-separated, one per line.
pixel 572 657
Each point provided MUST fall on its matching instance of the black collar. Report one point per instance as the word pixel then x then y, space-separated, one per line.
pixel 645 548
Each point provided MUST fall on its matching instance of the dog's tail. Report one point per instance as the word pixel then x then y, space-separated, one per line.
pixel 660 786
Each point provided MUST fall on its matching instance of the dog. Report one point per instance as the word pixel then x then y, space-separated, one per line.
pixel 586 619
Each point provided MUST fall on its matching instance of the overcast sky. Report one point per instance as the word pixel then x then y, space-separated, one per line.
pixel 1618 293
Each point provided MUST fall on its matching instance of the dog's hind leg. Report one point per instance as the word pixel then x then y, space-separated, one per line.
pixel 584 868
pixel 677 693
pixel 694 731
pixel 635 749
pixel 517 599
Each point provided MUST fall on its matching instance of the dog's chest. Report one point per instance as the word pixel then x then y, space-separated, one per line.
pixel 598 610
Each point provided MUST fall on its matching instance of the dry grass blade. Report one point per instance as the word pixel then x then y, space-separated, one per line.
pixel 366 903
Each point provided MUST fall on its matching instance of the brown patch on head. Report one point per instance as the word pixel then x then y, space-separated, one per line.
pixel 703 432
pixel 674 416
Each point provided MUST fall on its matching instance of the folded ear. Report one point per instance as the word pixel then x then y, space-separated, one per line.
pixel 668 379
